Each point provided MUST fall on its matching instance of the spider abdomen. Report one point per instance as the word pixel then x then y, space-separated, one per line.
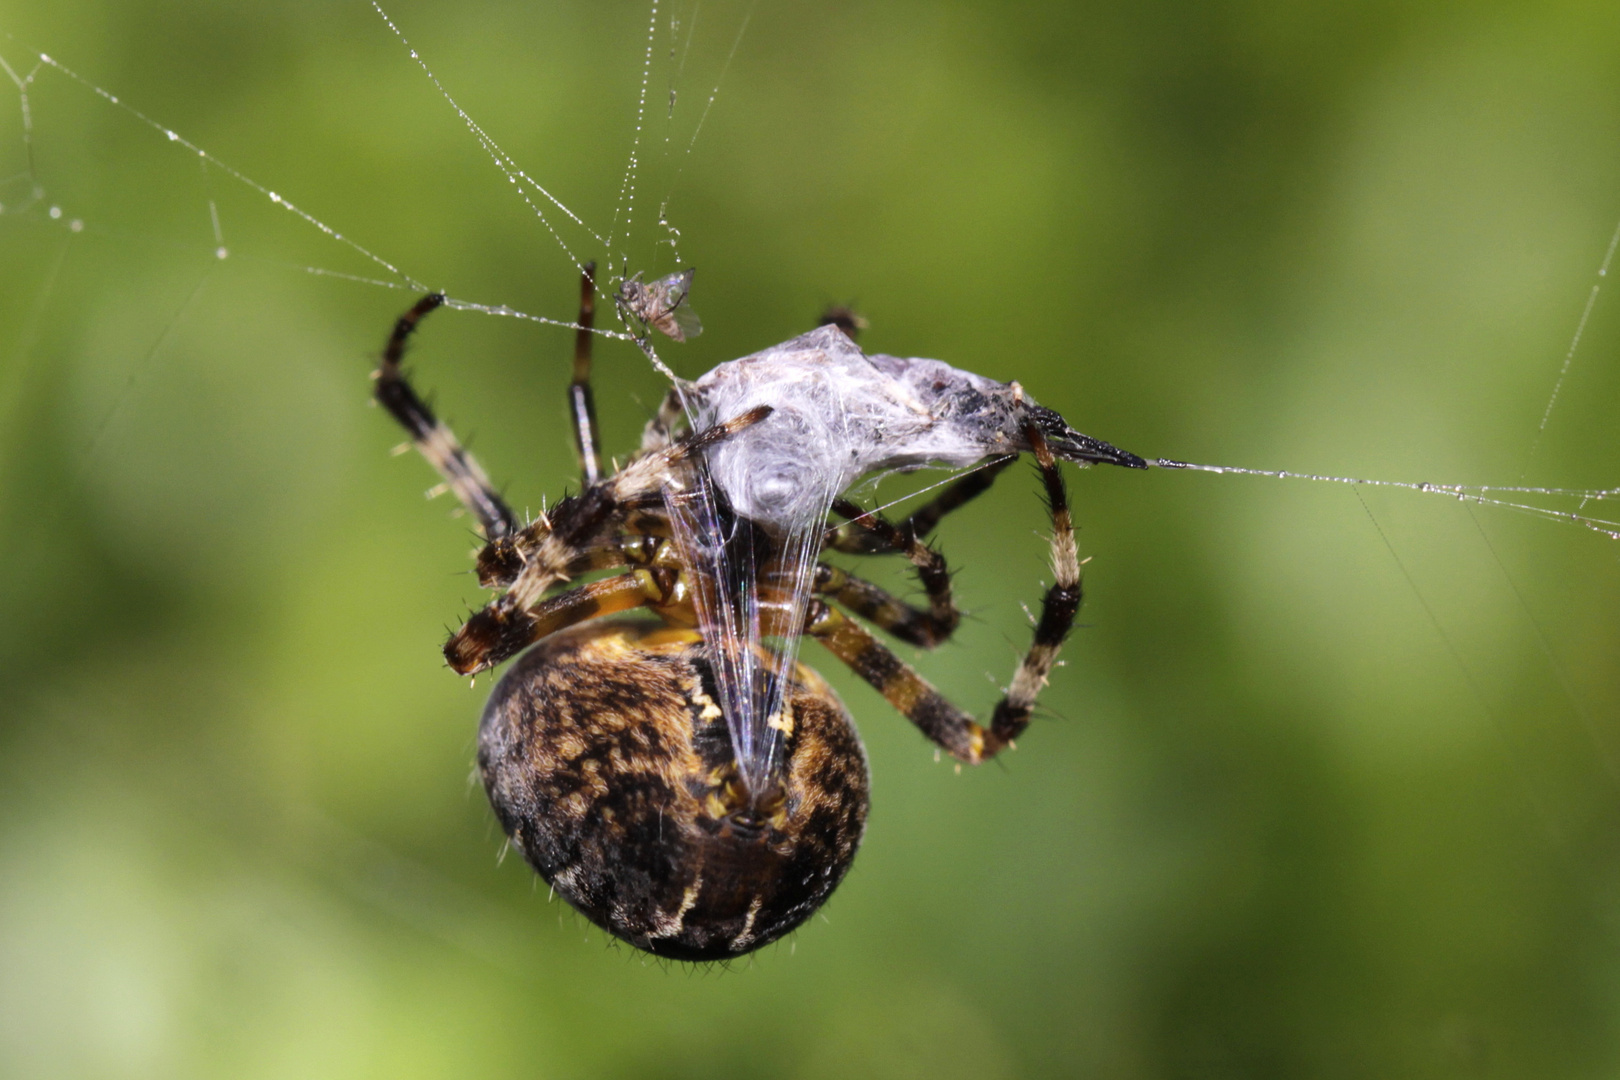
pixel 610 766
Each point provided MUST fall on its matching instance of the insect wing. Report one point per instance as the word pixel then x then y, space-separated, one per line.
pixel 751 592
pixel 681 323
pixel 670 292
pixel 666 308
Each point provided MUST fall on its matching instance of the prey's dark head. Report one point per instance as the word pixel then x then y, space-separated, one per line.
pixel 1070 445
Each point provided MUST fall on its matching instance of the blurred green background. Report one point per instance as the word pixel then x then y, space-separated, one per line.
pixel 1307 803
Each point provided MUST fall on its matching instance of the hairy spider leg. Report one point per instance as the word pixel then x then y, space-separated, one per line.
pixel 868 532
pixel 963 491
pixel 911 624
pixel 630 548
pixel 437 443
pixel 501 629
pixel 879 535
pixel 581 402
pixel 883 609
pixel 936 717
pixel 659 588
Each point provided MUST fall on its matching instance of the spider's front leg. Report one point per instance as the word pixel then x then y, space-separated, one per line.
pixel 948 726
pixel 486 640
pixel 437 443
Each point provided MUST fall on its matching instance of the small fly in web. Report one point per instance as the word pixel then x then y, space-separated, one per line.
pixel 682 779
pixel 661 305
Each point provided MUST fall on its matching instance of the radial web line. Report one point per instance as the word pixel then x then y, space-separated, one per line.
pixel 240 177
pixel 1478 494
pixel 505 312
pixel 686 50
pixel 1575 342
pixel 13 382
pixel 626 204
pixel 220 250
pixel 401 279
pixel 502 159
pixel 724 68
pixel 686 154
pixel 317 271
pixel 678 53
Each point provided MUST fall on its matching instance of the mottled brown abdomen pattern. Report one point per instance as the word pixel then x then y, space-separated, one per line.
pixel 609 764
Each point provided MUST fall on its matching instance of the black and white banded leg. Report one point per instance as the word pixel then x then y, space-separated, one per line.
pixel 462 474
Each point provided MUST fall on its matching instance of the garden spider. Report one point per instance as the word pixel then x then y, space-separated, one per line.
pixel 614 751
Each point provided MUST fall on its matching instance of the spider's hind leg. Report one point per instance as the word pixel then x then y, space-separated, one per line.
pixel 437 443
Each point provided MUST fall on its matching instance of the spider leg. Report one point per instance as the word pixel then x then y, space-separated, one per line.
pixel 845 318
pixel 581 403
pixel 436 442
pixel 488 638
pixel 879 535
pixel 868 532
pixel 948 726
pixel 859 536
pixel 876 605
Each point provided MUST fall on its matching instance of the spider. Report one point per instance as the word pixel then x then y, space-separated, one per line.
pixel 614 751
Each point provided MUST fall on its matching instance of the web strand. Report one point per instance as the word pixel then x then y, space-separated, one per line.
pixel 1574 344
pixel 503 161
pixel 1479 495
pixel 275 198
pixel 398 279
pixel 22 83
pixel 1588 724
pixel 138 369
pixel 686 154
pixel 626 204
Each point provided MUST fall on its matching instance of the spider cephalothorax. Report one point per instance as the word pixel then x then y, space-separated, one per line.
pixel 683 780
